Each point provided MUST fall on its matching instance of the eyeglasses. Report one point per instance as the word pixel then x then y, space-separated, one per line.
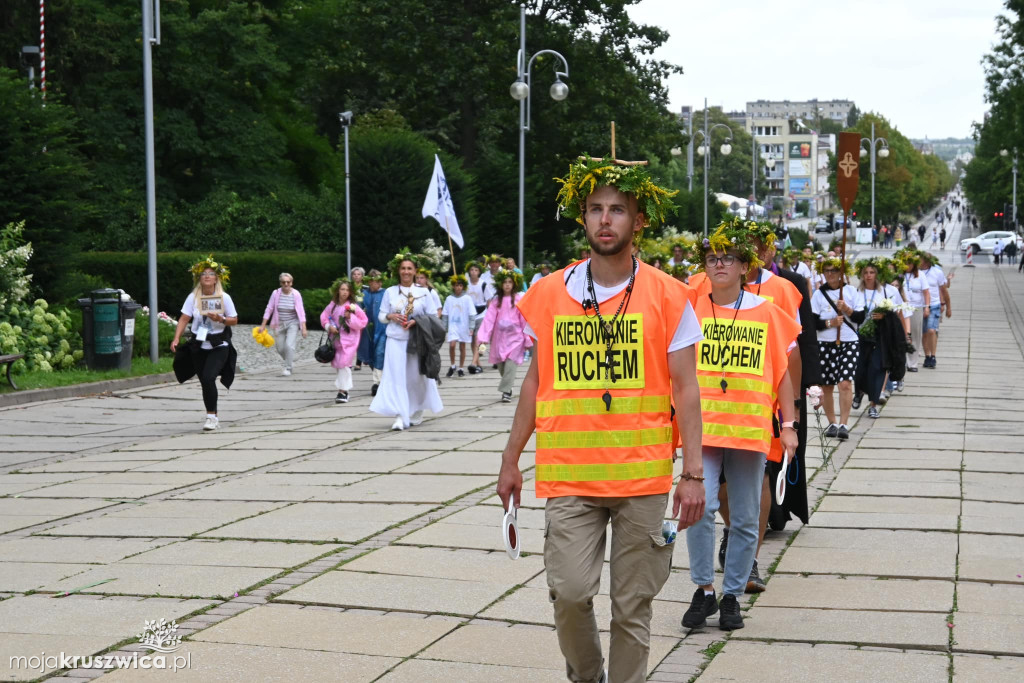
pixel 209 272
pixel 830 270
pixel 727 260
pixel 286 282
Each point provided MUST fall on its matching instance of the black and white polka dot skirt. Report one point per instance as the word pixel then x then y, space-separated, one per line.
pixel 838 362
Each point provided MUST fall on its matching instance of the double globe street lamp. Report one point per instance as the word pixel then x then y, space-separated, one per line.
pixel 520 91
pixel 1005 153
pixel 703 150
pixel 883 152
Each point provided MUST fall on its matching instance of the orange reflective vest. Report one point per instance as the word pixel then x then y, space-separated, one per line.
pixel 754 351
pixel 775 289
pixel 585 446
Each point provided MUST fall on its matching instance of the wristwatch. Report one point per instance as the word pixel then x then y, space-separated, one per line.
pixel 794 425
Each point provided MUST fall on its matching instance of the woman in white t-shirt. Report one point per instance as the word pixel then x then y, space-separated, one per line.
pixel 209 353
pixel 918 295
pixel 835 319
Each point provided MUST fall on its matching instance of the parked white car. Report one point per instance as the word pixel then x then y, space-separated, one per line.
pixel 986 241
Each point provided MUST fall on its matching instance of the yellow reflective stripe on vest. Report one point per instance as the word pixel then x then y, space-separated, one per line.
pixel 715 382
pixel 755 433
pixel 633 438
pixel 621 405
pixel 735 408
pixel 623 471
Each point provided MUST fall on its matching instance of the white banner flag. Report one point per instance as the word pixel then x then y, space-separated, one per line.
pixel 438 204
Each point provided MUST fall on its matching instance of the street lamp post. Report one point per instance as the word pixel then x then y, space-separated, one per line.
pixel 150 37
pixel 705 133
pixel 1006 153
pixel 884 152
pixel 346 120
pixel 520 91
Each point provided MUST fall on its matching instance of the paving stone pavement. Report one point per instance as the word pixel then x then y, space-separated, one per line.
pixel 304 541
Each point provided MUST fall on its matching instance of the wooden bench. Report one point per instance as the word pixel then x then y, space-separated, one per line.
pixel 9 360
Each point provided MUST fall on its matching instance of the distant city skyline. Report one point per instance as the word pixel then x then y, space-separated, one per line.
pixel 916 62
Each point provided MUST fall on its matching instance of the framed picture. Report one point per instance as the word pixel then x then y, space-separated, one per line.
pixel 211 304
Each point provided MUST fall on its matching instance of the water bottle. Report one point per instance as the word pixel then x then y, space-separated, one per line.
pixel 668 532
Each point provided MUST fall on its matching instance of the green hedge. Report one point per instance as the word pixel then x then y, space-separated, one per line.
pixel 253 276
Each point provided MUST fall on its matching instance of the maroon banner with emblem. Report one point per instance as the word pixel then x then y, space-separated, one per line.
pixel 848 169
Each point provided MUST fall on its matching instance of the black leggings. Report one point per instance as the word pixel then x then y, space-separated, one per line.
pixel 209 364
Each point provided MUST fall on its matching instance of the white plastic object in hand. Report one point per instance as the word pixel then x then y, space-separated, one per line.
pixel 510 529
pixel 780 481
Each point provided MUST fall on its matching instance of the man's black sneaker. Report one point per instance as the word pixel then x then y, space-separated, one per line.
pixel 342 397
pixel 755 584
pixel 730 619
pixel 451 371
pixel 506 397
pixel 473 369
pixel 843 434
pixel 373 390
pixel 832 431
pixel 722 547
pixel 701 607
pixel 461 373
pixel 932 366
pixel 872 411
pixel 856 401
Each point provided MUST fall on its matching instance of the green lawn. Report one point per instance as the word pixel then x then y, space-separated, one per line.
pixel 63 378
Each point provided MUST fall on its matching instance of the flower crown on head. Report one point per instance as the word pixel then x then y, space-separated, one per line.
pixel 587 174
pixel 505 274
pixel 763 231
pixel 883 267
pixel 475 264
pixel 495 258
pixel 336 286
pixel 404 255
pixel 458 280
pixel 424 271
pixel 790 257
pixel 834 262
pixel 734 235
pixel 223 272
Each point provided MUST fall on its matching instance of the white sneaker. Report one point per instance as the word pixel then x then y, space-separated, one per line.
pixel 416 418
pixel 286 373
pixel 211 423
pixel 398 424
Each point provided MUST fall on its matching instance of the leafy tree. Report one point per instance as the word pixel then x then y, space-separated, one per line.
pixel 853 117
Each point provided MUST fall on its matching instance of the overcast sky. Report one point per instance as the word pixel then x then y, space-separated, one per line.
pixel 917 62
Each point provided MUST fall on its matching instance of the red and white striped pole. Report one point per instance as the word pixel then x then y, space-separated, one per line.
pixel 42 47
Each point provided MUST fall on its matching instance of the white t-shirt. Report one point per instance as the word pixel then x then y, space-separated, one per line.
pixel 476 291
pixel 461 312
pixel 914 286
pixel 436 299
pixel 873 297
pixel 821 308
pixel 490 290
pixel 536 277
pixel 803 269
pixel 936 278
pixel 191 309
pixel 687 332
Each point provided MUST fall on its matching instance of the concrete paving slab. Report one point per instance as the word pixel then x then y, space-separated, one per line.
pixel 189 442
pixel 21 577
pixel 914 630
pixel 122 485
pixel 987 598
pixel 432 671
pixel 880 520
pixel 829 592
pixel 370 462
pixel 873 552
pixel 916 428
pixel 52 509
pixel 411 488
pixel 940 442
pixel 994 487
pixel 167 580
pixel 291 626
pixel 998 634
pixel 780 663
pixel 461 565
pixel 229 663
pixel 82 465
pixel 497 444
pixel 890 505
pixel 994 443
pixel 970 668
pixel 215 553
pixel 220 461
pixel 392 592
pixel 912 483
pixel 465 462
pixel 113 617
pixel 84 550
pixel 975 461
pixel 483 537
pixel 521 647
pixel 162 518
pixel 306 442
pixel 272 486
pixel 997 518
pixel 348 522
pixel 489 515
pixel 987 557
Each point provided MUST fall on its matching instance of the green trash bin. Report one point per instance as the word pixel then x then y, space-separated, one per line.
pixel 108 330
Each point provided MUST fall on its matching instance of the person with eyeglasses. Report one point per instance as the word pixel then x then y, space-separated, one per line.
pixel 838 308
pixel 287 316
pixel 744 377
pixel 209 353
